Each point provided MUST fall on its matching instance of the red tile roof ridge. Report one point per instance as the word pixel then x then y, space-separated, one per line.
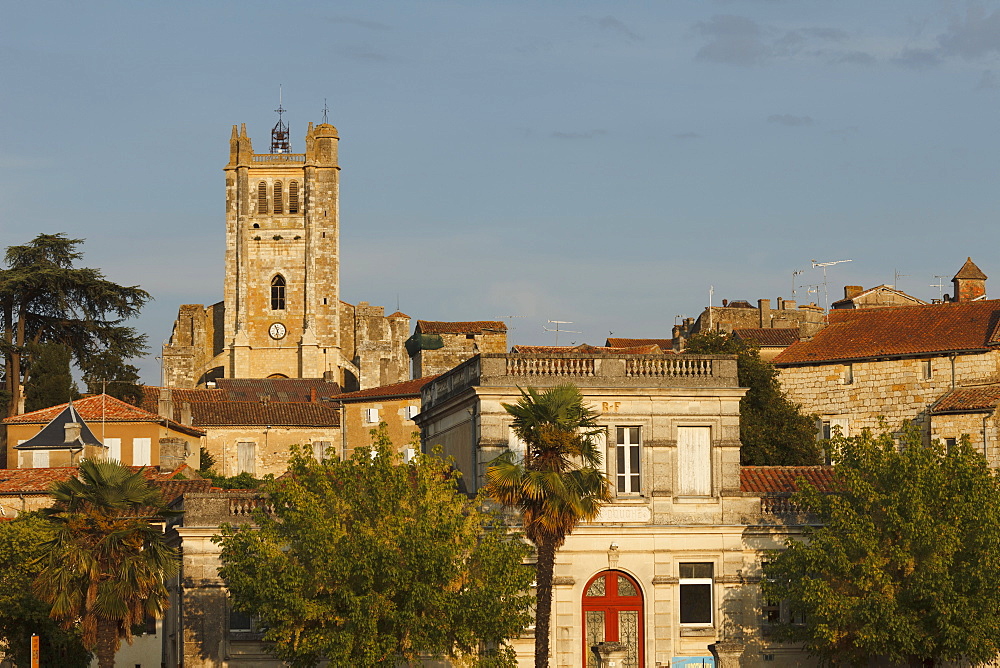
pixel 784 479
pixel 460 327
pixel 97 408
pixel 404 388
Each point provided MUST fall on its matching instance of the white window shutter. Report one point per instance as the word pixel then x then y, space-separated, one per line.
pixel 843 423
pixel 114 450
pixel 694 461
pixel 371 415
pixel 411 412
pixel 41 459
pixel 515 445
pixel 141 455
pixel 246 457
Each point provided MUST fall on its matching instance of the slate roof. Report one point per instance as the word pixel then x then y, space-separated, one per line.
pixel 471 327
pixel 53 435
pixel 858 334
pixel 784 479
pixel 769 337
pixel 408 388
pixel 977 399
pixel 257 414
pixel 98 408
pixel 666 345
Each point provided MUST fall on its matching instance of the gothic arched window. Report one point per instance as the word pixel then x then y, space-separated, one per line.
pixel 278 293
pixel 262 198
pixel 293 197
pixel 279 203
pixel 612 610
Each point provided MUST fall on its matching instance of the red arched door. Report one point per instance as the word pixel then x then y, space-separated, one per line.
pixel 612 610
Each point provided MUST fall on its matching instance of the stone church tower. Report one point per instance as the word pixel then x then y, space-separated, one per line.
pixel 281 315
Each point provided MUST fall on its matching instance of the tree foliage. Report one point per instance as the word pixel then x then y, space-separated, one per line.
pixel 558 483
pixel 108 373
pixel 104 570
pixel 44 298
pixel 369 561
pixel 906 563
pixel 773 430
pixel 51 380
pixel 21 612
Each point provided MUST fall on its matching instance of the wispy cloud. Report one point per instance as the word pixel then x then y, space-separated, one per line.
pixel 733 40
pixel 918 59
pixel 972 36
pixel 788 120
pixel 578 135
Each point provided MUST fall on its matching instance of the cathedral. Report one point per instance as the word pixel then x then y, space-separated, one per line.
pixel 281 315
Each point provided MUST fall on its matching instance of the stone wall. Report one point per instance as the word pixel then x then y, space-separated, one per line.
pixel 357 428
pixel 457 349
pixel 273 445
pixel 893 389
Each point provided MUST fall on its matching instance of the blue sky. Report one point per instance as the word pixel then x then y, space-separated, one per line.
pixel 596 162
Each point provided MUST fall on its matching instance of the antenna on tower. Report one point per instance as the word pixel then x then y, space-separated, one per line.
pixel 794 274
pixel 939 285
pixel 826 292
pixel 326 112
pixel 279 133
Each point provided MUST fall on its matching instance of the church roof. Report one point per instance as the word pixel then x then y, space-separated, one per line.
pixel 53 435
pixel 970 270
pixel 469 327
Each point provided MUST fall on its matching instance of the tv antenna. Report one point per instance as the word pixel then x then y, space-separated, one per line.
pixel 826 291
pixel 557 329
pixel 896 277
pixel 939 285
pixel 279 133
pixel 326 112
pixel 794 274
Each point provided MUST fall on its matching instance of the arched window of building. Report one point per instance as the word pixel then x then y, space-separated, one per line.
pixel 293 197
pixel 278 293
pixel 612 610
pixel 279 203
pixel 262 198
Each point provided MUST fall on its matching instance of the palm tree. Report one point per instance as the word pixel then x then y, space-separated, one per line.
pixel 557 485
pixel 106 566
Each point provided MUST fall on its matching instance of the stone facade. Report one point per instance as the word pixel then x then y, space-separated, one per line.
pixel 739 314
pixel 437 347
pixel 281 315
pixel 395 405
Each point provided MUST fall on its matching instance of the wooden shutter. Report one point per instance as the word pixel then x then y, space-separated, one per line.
pixel 694 461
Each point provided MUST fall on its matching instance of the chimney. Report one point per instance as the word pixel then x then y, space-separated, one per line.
pixel 852 291
pixel 791 305
pixel 165 404
pixel 725 303
pixel 185 412
pixel 329 377
pixel 312 395
pixel 72 432
pixel 764 307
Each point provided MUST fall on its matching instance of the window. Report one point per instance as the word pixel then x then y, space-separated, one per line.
pixel 114 448
pixel 278 293
pixel 371 415
pixel 239 622
pixel 848 374
pixel 628 460
pixel 33 459
pixel 246 457
pixel 925 369
pixel 320 448
pixel 293 197
pixel 279 202
pixel 696 593
pixel 262 198
pixel 831 428
pixel 516 445
pixel 694 461
pixel 612 610
pixel 949 444
pixel 411 412
pixel 141 455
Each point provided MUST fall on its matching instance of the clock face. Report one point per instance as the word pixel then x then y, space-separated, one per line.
pixel 277 331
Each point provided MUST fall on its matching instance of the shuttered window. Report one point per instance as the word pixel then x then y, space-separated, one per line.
pixel 262 198
pixel 279 201
pixel 293 197
pixel 694 461
pixel 246 457
pixel 141 455
pixel 114 448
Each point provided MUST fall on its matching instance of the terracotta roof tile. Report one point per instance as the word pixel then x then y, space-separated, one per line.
pixel 172 489
pixel 907 330
pixel 782 336
pixel 255 413
pixel 784 479
pixel 877 288
pixel 980 398
pixel 471 327
pixel 408 388
pixel 666 345
pixel 589 350
pixel 397 314
pixel 276 389
pixel 97 408
pixel 28 481
pixel 151 397
pixel 970 270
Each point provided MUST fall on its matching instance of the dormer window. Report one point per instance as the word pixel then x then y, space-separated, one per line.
pixel 278 293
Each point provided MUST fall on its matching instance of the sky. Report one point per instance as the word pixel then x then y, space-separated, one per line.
pixel 604 163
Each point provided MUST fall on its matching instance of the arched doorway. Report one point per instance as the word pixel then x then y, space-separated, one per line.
pixel 612 610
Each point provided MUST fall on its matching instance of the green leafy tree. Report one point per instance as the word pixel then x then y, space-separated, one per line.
pixel 105 568
pixel 905 566
pixel 51 382
pixel 44 298
pixel 21 612
pixel 558 483
pixel 108 373
pixel 370 561
pixel 773 430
